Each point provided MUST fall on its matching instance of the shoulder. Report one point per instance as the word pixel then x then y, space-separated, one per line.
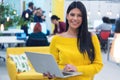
pixel 35 16
pixel 31 35
pixel 26 11
pixel 58 36
pixel 62 34
pixel 93 35
pixel 41 33
pixel 62 23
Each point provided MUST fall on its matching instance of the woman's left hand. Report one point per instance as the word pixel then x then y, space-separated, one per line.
pixel 70 68
pixel 50 76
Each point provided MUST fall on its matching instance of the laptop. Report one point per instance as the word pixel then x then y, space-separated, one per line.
pixel 44 63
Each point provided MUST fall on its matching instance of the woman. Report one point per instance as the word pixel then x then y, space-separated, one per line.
pixel 77 49
pixel 59 26
pixel 37 38
pixel 115 49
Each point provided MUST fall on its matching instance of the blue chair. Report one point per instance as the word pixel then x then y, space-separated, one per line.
pixel 21 36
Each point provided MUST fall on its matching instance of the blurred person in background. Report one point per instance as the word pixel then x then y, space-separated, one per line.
pixel 59 25
pixel 27 16
pixel 115 48
pixel 37 38
pixel 39 17
pixel 105 25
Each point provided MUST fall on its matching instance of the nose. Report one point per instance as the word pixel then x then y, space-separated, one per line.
pixel 75 17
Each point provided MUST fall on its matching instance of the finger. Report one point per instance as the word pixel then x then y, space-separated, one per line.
pixel 50 75
pixel 71 71
pixel 44 74
pixel 66 70
pixel 54 76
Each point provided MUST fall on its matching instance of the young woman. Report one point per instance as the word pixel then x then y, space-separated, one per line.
pixel 77 49
pixel 59 25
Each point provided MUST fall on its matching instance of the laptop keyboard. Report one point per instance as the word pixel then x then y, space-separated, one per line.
pixel 65 73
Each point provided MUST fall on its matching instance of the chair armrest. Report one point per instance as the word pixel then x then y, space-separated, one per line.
pixel 11 67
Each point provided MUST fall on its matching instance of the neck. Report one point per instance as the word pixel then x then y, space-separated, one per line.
pixel 72 32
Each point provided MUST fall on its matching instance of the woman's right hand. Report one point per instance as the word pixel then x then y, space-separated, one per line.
pixel 70 68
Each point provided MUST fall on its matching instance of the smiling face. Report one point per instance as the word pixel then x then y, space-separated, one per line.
pixel 74 18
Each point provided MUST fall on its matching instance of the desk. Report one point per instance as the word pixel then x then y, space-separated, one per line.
pixel 10 39
pixel 11 31
pixel 110 39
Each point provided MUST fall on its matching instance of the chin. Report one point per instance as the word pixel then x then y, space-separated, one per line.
pixel 75 27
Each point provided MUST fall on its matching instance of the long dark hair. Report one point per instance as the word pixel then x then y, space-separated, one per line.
pixel 84 40
pixel 117 24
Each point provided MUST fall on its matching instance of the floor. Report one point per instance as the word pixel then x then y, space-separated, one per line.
pixel 110 71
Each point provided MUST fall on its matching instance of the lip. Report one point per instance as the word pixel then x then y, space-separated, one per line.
pixel 75 23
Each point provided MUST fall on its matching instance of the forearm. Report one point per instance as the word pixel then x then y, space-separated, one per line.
pixel 90 69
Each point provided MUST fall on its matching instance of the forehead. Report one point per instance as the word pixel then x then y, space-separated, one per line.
pixel 76 11
pixel 53 19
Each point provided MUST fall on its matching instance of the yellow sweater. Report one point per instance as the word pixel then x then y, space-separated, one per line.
pixel 65 52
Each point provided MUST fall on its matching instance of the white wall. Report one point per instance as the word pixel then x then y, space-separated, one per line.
pixel 94 6
pixel 15 4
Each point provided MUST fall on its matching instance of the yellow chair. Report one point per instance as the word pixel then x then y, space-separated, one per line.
pixel 30 75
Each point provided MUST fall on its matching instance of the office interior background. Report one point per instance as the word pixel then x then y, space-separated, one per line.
pixel 96 9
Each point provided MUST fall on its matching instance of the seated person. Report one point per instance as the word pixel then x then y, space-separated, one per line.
pixel 37 38
pixel 105 25
pixel 59 25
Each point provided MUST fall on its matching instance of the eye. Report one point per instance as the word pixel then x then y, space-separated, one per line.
pixel 72 14
pixel 79 15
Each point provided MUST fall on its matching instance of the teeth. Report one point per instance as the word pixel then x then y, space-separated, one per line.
pixel 74 23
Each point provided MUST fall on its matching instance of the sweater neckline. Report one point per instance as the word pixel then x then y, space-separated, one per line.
pixel 66 37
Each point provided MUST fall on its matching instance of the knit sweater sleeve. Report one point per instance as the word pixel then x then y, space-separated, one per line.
pixel 53 49
pixel 97 65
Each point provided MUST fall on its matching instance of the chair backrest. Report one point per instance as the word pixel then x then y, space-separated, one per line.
pixel 104 34
pixel 21 36
pixel 37 42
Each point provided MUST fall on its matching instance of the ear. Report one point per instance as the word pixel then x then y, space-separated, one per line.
pixel 67 16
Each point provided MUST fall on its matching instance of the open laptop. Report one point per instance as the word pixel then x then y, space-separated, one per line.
pixel 44 63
